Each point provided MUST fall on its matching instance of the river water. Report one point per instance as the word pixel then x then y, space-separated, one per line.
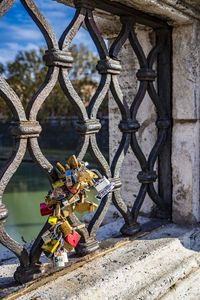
pixel 22 197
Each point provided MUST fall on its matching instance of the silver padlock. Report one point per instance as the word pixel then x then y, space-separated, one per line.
pixel 103 187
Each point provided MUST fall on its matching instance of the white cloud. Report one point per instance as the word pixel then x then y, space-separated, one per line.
pixel 9 53
pixel 21 33
pixel 25 33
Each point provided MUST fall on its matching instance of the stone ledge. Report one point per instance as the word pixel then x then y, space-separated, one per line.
pixel 185 289
pixel 175 12
pixel 145 268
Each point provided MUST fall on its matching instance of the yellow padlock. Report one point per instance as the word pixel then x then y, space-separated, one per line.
pixel 51 246
pixel 52 220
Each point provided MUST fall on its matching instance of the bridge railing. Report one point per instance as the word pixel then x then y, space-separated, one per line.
pixel 26 128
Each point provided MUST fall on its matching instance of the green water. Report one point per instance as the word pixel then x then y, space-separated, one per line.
pixel 22 197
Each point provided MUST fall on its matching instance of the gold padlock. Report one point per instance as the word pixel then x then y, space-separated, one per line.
pixel 60 168
pixel 49 202
pixel 66 210
pixel 65 228
pixel 73 163
pixel 57 210
pixel 82 207
pixel 57 184
pixel 52 220
pixel 68 247
pixel 51 246
pixel 92 207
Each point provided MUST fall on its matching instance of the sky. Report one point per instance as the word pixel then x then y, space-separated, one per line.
pixel 19 32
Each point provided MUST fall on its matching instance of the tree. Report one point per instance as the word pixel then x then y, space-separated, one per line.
pixel 26 73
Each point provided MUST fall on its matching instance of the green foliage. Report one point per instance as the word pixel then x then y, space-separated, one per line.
pixel 27 72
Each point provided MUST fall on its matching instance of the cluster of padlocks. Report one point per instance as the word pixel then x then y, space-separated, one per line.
pixel 69 195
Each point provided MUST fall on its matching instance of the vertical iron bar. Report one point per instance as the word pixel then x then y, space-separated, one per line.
pixel 165 93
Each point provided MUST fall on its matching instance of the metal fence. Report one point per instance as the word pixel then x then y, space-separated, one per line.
pixel 26 129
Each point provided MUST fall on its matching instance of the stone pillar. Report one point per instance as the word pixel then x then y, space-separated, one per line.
pixel 185 139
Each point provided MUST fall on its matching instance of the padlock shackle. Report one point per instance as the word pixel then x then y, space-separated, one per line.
pixel 97 172
pixel 83 166
pixel 55 228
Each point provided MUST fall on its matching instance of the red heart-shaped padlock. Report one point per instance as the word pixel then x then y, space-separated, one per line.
pixel 72 239
pixel 70 188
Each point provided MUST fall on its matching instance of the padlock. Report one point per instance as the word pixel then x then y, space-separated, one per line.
pixel 49 202
pixel 60 168
pixel 68 247
pixel 65 211
pixel 84 207
pixel 72 161
pixel 72 199
pixel 79 227
pixel 103 187
pixel 51 246
pixel 65 255
pixel 46 237
pixel 59 259
pixel 44 210
pixel 57 184
pixel 70 182
pixel 57 210
pixel 72 239
pixel 52 220
pixel 65 228
pixel 92 207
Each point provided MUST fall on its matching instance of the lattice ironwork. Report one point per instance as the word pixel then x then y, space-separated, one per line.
pixel 26 128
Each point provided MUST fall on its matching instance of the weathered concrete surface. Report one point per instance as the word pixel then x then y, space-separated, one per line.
pixel 147 268
pixel 187 289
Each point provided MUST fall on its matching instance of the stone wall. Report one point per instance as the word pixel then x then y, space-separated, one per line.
pixel 185 139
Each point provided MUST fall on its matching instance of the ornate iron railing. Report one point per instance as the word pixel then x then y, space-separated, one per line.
pixel 26 128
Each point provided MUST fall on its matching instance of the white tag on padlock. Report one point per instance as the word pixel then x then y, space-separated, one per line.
pixel 59 259
pixel 103 187
pixel 65 256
